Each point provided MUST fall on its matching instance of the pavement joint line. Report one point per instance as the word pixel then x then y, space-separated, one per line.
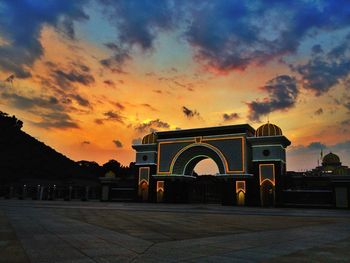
pixel 272 243
pixel 140 254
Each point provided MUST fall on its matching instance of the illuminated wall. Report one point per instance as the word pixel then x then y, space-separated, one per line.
pixel 144 173
pixel 229 153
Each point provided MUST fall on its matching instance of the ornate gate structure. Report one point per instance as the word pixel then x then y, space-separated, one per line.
pixel 250 163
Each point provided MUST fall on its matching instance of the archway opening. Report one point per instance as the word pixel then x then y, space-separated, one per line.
pixel 207 186
pixel 187 160
pixel 206 167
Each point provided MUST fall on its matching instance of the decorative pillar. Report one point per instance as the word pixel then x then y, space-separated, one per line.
pixel 160 191
pixel 267 184
pixel 143 184
pixel 240 193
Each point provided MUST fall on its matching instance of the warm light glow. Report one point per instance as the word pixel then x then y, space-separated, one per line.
pixel 144 173
pixel 202 143
pixel 240 186
pixel 160 186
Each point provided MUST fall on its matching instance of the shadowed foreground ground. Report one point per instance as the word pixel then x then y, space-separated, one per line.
pixel 34 231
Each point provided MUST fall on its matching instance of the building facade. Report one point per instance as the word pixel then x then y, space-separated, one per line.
pixel 251 165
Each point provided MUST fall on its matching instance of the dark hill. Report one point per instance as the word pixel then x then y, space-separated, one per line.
pixel 23 156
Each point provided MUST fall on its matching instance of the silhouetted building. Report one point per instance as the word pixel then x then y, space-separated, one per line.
pixel 251 165
pixel 327 185
pixel 331 165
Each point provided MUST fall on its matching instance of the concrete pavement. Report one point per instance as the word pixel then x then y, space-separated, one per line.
pixel 120 232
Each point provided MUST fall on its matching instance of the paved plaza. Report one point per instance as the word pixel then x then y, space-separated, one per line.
pixel 57 231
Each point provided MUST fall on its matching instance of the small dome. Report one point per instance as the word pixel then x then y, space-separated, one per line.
pixel 331 159
pixel 149 138
pixel 268 129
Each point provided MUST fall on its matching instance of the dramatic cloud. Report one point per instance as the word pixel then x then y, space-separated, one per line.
pixel 282 94
pixel 119 106
pixel 344 101
pixel 152 126
pixel 344 126
pixel 118 60
pixel 47 107
pixel 325 70
pixel 347 105
pixel 190 113
pixel 109 83
pixel 118 143
pixel 111 116
pixel 230 35
pixel 319 111
pixel 81 101
pixel 81 66
pixel 230 117
pixel 314 148
pixel 114 116
pixel 21 23
pixel 345 122
pixel 225 35
pixel 53 112
pixel 64 79
pixel 148 106
pixel 137 24
pixel 99 121
pixel 57 120
pixel 28 103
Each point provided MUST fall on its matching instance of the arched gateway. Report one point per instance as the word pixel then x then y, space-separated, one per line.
pixel 246 160
pixel 186 159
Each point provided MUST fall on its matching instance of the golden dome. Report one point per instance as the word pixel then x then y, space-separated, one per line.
pixel 331 159
pixel 149 138
pixel 268 129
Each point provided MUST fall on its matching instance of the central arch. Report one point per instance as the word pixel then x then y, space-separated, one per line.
pixel 186 160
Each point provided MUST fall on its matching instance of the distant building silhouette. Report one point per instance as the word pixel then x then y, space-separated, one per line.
pixel 331 165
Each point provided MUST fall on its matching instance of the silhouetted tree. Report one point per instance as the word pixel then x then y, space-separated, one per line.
pixel 8 122
pixel 112 165
pixel 90 169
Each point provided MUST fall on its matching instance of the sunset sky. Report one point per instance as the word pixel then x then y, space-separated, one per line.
pixel 93 77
